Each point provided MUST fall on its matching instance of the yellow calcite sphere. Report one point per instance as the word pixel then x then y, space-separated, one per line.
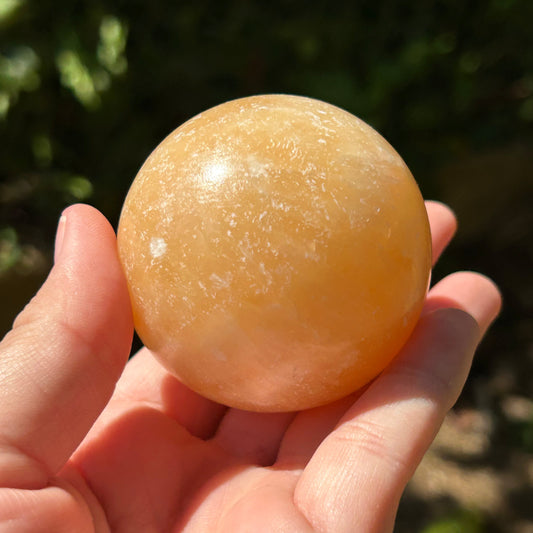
pixel 277 252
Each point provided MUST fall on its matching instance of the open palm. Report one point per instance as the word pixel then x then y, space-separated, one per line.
pixel 91 444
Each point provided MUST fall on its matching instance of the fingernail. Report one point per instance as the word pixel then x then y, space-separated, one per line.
pixel 60 235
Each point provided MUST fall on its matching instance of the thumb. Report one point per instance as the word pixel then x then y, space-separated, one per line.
pixel 60 362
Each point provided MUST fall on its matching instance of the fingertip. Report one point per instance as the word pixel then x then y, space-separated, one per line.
pixel 89 248
pixel 60 234
pixel 443 224
pixel 79 220
pixel 472 292
pixel 454 324
pixel 441 209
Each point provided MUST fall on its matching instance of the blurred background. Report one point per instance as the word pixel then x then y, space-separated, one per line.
pixel 89 88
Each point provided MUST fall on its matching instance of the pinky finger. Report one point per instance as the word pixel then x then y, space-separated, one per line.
pixel 356 477
pixel 469 291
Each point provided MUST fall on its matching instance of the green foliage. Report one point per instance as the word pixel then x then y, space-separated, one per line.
pixel 8 8
pixel 9 249
pixel 461 522
pixel 521 433
pixel 89 88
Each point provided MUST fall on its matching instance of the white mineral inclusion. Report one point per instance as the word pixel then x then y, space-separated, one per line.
pixel 158 247
pixel 257 167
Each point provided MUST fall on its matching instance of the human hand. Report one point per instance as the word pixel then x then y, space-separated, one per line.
pixel 90 444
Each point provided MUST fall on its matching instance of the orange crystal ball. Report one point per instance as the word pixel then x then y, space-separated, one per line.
pixel 277 252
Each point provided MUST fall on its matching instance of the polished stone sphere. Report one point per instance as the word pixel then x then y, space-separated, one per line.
pixel 277 252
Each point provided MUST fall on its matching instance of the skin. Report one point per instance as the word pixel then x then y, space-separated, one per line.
pixel 89 443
